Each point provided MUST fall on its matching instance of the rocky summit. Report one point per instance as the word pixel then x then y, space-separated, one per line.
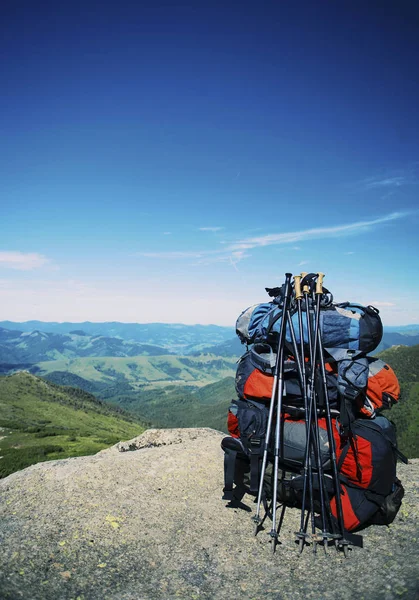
pixel 144 519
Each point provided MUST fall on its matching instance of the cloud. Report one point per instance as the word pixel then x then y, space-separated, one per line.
pixel 386 182
pixel 22 261
pixel 167 233
pixel 214 229
pixel 392 179
pixel 314 233
pixel 234 252
pixel 303 262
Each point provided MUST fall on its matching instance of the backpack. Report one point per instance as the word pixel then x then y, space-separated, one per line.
pixel 370 491
pixel 367 466
pixel 357 386
pixel 255 373
pixel 368 384
pixel 382 390
pixel 346 325
pixel 348 331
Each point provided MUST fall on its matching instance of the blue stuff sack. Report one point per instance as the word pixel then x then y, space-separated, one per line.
pixel 345 325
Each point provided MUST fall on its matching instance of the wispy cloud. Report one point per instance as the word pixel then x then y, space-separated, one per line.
pixel 392 179
pixel 234 252
pixel 303 262
pixel 22 261
pixel 167 233
pixel 314 233
pixel 386 182
pixel 213 229
pixel 218 256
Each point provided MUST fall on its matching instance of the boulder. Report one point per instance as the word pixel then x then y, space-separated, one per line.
pixel 145 520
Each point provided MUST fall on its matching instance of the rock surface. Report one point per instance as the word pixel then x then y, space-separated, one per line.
pixel 150 524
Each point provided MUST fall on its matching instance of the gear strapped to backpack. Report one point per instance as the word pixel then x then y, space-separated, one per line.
pixel 355 460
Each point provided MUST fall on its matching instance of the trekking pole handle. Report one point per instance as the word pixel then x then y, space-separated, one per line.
pixel 287 291
pixel 319 283
pixel 306 288
pixel 297 287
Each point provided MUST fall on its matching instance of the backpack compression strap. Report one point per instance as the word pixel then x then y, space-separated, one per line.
pixel 230 446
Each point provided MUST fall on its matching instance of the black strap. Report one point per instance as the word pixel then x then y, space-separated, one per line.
pixel 371 425
pixel 375 497
pixel 273 318
pixel 229 469
pixel 344 453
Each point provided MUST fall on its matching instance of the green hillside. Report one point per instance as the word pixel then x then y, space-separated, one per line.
pixel 405 415
pixel 136 371
pixel 181 406
pixel 42 421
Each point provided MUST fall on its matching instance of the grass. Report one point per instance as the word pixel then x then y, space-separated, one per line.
pixel 42 421
pixel 151 370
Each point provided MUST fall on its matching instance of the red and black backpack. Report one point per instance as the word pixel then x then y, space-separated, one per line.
pixel 358 386
pixel 366 460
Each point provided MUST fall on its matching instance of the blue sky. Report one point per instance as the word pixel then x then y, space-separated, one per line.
pixel 165 161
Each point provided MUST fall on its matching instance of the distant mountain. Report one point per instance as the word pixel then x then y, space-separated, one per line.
pixel 35 341
pixel 405 329
pixel 174 337
pixel 35 346
pixel 41 421
pixel 408 337
pixel 232 347
pixel 128 373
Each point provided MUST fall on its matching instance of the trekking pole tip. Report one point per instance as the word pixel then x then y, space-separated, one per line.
pixel 319 283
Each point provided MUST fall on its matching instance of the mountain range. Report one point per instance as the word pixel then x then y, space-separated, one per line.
pixel 35 346
pixel 36 341
pixel 177 338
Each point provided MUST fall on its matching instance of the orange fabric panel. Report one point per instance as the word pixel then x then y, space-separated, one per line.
pixel 383 381
pixel 258 385
pixel 350 520
pixel 233 425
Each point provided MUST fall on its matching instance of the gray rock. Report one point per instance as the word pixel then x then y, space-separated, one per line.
pixel 151 524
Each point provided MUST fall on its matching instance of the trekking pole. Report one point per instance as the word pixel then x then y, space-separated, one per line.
pixel 313 435
pixel 302 534
pixel 312 392
pixel 285 311
pixel 308 474
pixel 341 539
pixel 276 386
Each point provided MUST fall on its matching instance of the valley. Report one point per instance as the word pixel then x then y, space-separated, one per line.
pixel 123 394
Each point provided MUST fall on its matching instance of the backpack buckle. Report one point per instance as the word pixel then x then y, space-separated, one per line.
pixel 351 393
pixel 255 442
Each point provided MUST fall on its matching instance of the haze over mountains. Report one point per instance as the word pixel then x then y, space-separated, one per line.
pixel 175 337
pixel 35 341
